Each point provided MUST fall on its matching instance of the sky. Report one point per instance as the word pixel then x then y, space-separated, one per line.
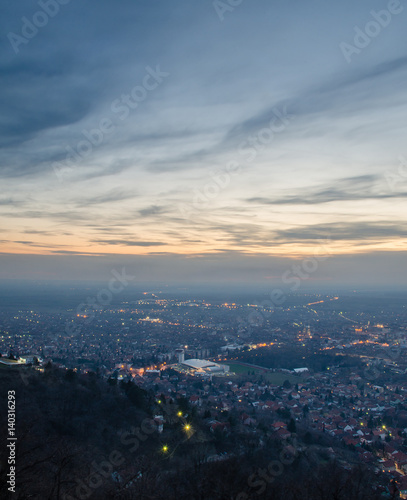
pixel 204 141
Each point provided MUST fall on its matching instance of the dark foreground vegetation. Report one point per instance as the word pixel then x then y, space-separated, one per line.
pixel 80 437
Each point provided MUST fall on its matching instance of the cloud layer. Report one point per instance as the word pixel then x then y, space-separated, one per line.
pixel 157 129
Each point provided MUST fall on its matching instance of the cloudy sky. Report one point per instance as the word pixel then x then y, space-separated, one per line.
pixel 218 140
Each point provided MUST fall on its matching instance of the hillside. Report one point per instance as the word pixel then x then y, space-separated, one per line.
pixel 80 436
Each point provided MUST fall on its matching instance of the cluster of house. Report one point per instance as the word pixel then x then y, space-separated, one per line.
pixel 368 418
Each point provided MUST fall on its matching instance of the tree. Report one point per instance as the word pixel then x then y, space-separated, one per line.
pixel 112 381
pixel 284 413
pixel 287 384
pixel 70 375
pixel 292 427
pixel 183 404
pixel 308 439
pixel 232 421
pixel 135 394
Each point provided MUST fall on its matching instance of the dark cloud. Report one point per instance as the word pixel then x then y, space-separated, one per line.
pixel 36 231
pixel 69 72
pixel 65 217
pixel 130 243
pixel 344 93
pixel 117 167
pixel 348 189
pixel 110 197
pixel 37 95
pixel 33 244
pixel 184 161
pixel 344 231
pixel 74 252
pixel 151 211
pixel 11 202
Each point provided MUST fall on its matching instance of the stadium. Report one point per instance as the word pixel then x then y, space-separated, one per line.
pixel 201 367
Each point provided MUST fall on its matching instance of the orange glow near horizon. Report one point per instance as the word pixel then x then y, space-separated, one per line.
pixel 78 247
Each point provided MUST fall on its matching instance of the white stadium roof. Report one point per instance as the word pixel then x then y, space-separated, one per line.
pixel 198 363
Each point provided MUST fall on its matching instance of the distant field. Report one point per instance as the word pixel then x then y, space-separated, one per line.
pixel 276 378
